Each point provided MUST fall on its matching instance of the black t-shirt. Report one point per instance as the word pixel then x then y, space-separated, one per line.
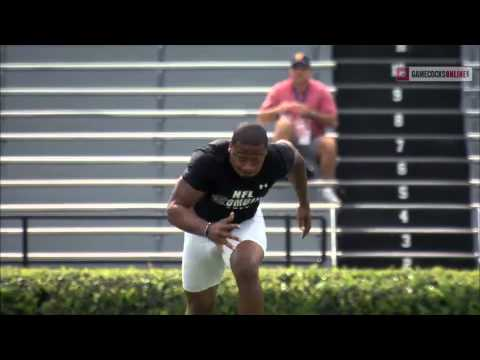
pixel 210 171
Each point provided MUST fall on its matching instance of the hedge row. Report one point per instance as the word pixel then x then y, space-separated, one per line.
pixel 287 291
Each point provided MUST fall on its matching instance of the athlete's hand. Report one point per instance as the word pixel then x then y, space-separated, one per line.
pixel 220 231
pixel 303 217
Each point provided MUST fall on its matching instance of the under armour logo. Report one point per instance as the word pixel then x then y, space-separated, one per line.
pixel 263 186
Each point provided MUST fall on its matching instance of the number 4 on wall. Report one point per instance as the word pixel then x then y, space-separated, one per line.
pixel 404 216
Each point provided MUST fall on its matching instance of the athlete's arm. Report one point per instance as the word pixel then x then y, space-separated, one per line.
pixel 298 177
pixel 181 214
pixel 181 211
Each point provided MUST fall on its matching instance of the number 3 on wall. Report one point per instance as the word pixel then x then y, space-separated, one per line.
pixel 406 241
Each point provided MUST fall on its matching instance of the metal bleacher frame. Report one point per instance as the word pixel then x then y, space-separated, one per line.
pixel 22 210
pixel 81 210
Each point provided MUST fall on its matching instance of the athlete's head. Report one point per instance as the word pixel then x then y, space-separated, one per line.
pixel 300 70
pixel 248 149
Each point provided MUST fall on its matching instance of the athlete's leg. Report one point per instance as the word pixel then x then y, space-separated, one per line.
pixel 202 271
pixel 284 129
pixel 201 303
pixel 245 262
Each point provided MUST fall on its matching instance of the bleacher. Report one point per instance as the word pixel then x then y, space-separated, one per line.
pixel 90 130
pixel 406 149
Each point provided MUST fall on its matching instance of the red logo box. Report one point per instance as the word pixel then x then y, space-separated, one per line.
pixel 403 74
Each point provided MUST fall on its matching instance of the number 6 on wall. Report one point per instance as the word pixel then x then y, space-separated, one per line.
pixel 402 168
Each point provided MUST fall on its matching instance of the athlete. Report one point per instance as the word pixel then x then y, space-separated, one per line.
pixel 216 202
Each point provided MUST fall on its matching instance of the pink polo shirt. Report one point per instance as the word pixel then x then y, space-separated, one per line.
pixel 318 98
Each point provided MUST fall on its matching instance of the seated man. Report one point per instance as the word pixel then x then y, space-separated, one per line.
pixel 304 109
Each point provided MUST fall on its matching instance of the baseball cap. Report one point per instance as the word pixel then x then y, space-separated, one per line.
pixel 300 60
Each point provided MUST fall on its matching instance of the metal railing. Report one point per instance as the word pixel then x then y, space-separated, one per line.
pixel 163 182
pixel 286 218
pixel 216 113
pixel 177 160
pixel 139 90
pixel 202 135
pixel 157 65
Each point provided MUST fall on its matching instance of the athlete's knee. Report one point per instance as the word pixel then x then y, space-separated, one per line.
pixel 245 271
pixel 246 260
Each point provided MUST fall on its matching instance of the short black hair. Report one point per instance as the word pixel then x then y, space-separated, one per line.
pixel 250 134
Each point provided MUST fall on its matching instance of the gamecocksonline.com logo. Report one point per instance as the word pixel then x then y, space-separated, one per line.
pixel 434 73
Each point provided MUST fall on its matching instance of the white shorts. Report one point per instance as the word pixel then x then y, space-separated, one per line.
pixel 204 262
